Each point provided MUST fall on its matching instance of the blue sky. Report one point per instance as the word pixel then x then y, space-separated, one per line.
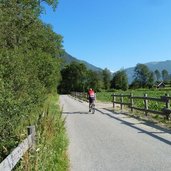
pixel 114 34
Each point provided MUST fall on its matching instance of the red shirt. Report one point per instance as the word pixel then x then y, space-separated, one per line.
pixel 91 93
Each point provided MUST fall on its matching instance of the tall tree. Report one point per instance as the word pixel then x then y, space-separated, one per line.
pixel 94 80
pixel 19 20
pixel 120 80
pixel 151 79
pixel 165 75
pixel 106 78
pixel 73 78
pixel 142 75
pixel 157 74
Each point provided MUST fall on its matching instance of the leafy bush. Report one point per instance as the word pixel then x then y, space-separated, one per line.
pixel 29 68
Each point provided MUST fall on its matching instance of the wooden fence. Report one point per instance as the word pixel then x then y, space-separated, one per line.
pixel 12 159
pixel 166 111
pixel 80 95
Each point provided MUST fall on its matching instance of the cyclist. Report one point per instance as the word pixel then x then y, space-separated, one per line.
pixel 91 97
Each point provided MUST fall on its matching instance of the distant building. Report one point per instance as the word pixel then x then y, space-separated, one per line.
pixel 161 85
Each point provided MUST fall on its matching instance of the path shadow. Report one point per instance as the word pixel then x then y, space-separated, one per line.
pixel 76 113
pixel 146 122
pixel 133 125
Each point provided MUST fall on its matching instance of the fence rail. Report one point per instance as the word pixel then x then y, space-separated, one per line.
pixel 166 111
pixel 12 159
pixel 79 95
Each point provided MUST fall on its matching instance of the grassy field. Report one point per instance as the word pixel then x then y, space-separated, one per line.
pixel 153 105
pixel 106 96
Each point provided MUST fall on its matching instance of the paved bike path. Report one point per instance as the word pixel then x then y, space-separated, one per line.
pixel 107 141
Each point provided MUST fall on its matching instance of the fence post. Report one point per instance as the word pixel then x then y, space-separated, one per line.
pixel 32 130
pixel 114 98
pixel 145 104
pixel 167 101
pixel 131 101
pixel 121 101
pixel 167 105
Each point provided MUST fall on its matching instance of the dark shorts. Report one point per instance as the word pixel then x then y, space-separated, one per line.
pixel 91 99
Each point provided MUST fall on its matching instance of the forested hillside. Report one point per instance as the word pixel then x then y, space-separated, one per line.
pixel 67 58
pixel 29 70
pixel 160 66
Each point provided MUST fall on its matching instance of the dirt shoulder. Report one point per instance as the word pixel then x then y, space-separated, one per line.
pixel 151 118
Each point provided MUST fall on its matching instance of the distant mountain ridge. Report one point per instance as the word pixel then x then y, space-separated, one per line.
pixel 130 71
pixel 161 65
pixel 68 59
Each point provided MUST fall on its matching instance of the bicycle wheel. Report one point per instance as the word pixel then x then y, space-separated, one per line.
pixel 93 108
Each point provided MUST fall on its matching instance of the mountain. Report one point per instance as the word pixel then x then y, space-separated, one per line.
pixel 68 59
pixel 152 66
pixel 130 71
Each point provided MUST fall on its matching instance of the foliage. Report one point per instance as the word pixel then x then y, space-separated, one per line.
pixel 157 74
pixel 29 67
pixel 106 96
pixel 143 76
pixel 165 75
pixel 106 78
pixel 120 80
pixel 94 80
pixel 72 78
pixel 76 77
pixel 152 105
pixel 52 141
pixel 68 59
pixel 150 79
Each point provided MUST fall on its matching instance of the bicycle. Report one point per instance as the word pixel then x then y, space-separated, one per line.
pixel 92 107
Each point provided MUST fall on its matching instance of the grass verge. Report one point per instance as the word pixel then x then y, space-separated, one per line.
pixel 52 142
pixel 159 119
